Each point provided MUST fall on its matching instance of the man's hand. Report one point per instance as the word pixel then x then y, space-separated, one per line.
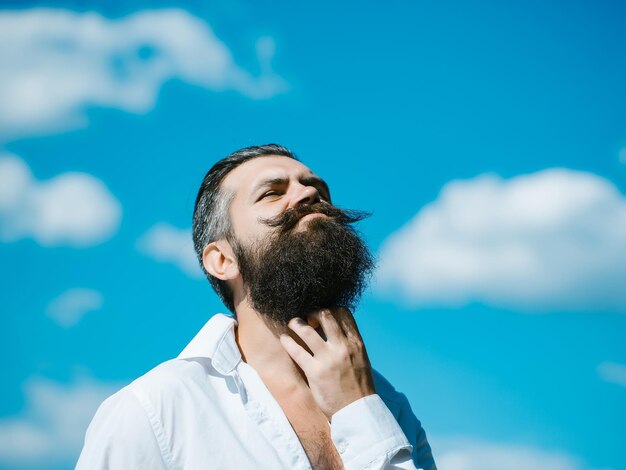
pixel 338 371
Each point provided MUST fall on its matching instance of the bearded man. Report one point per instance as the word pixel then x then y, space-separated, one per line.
pixel 286 381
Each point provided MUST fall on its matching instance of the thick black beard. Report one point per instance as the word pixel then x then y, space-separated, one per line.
pixel 293 273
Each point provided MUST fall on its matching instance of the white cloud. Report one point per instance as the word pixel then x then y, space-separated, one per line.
pixel 548 241
pixel 52 426
pixel 169 244
pixel 72 305
pixel 54 63
pixel 70 209
pixel 469 454
pixel 613 372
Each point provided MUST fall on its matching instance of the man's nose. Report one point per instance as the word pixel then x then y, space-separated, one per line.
pixel 305 195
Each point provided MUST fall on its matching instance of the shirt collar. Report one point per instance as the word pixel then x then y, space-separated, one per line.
pixel 216 341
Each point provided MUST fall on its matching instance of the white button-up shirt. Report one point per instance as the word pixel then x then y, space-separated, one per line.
pixel 209 409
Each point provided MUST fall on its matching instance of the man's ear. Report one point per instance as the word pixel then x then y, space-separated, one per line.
pixel 218 259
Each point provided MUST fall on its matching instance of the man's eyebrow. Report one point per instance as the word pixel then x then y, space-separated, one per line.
pixel 269 182
pixel 309 180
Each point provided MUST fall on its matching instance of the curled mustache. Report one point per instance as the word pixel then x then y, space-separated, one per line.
pixel 289 219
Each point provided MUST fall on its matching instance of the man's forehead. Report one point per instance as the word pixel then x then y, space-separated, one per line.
pixel 246 174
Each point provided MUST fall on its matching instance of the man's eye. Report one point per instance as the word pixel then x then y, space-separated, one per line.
pixel 269 194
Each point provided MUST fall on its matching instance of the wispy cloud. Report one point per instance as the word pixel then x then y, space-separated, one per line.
pixel 169 244
pixel 73 208
pixel 51 428
pixel 72 305
pixel 54 63
pixel 613 372
pixel 471 454
pixel 547 241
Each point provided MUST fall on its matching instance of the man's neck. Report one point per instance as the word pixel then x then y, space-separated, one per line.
pixel 260 347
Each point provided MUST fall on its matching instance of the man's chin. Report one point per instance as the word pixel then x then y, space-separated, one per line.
pixel 318 262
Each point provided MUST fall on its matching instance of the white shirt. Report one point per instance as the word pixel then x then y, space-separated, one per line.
pixel 209 409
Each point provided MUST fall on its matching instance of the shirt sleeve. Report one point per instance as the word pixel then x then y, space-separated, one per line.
pixel 121 436
pixel 368 436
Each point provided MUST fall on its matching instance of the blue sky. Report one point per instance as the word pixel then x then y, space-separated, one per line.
pixel 487 138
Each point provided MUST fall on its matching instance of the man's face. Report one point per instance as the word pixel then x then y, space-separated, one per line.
pixel 265 187
pixel 295 251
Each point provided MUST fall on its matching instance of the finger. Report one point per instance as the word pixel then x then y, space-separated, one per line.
pixel 347 323
pixel 297 353
pixel 311 338
pixel 313 319
pixel 329 324
pixel 356 345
